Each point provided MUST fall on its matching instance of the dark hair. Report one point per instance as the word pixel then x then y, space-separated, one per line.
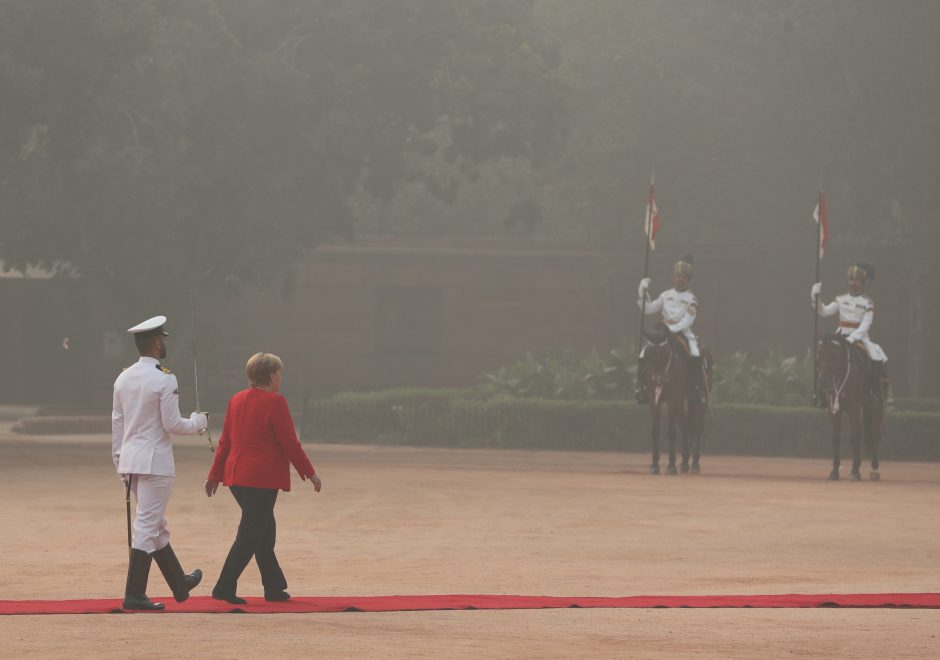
pixel 144 341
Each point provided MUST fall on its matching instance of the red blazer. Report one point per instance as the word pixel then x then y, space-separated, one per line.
pixel 258 443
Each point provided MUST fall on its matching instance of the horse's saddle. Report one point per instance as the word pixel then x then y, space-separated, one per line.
pixel 860 352
pixel 683 343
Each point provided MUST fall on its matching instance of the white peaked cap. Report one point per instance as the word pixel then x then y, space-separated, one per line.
pixel 156 323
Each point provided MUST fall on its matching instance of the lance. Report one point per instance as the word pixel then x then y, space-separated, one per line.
pixel 192 298
pixel 650 213
pixel 821 210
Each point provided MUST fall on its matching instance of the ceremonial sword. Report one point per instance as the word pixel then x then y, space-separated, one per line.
pixel 192 298
pixel 127 502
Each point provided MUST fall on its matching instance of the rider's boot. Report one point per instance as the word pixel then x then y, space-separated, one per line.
pixel 698 378
pixel 641 394
pixel 885 379
pixel 879 380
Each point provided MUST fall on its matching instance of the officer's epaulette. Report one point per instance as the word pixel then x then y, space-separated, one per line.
pixel 163 369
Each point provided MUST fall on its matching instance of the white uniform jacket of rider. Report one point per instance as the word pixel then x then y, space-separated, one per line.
pixel 145 413
pixel 856 314
pixel 678 309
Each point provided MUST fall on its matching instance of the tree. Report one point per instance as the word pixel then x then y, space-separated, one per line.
pixel 744 109
pixel 202 144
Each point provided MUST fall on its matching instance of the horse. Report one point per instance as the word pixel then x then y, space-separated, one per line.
pixel 842 374
pixel 669 380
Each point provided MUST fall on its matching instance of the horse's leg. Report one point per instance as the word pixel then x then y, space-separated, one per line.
pixel 855 419
pixel 686 430
pixel 874 435
pixel 655 409
pixel 696 429
pixel 835 419
pixel 671 435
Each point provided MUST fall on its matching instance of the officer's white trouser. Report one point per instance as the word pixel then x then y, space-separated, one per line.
pixel 874 350
pixel 150 528
pixel 692 339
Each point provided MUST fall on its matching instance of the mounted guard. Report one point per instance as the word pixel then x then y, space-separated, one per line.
pixel 678 307
pixel 856 312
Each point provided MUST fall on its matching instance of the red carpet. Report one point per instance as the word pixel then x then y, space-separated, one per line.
pixel 205 604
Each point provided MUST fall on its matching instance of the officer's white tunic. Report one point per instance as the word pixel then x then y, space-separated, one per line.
pixel 856 314
pixel 145 412
pixel 678 309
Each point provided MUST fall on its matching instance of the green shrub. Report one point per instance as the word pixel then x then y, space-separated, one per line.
pixel 566 376
pixel 780 380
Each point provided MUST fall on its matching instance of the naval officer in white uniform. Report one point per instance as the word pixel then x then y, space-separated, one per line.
pixel 144 415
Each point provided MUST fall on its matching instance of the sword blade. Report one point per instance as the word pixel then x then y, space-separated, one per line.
pixel 192 299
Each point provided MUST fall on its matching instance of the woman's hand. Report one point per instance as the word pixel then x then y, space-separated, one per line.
pixel 211 487
pixel 317 484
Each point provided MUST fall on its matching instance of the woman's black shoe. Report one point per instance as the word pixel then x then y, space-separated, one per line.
pixel 229 598
pixel 276 596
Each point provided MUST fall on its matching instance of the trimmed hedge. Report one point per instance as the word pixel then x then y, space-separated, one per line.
pixel 915 405
pixel 448 420
pixel 63 425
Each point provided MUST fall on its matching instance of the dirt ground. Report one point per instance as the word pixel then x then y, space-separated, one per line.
pixel 433 521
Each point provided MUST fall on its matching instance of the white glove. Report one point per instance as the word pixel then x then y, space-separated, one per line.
pixel 644 286
pixel 123 478
pixel 673 328
pixel 854 337
pixel 200 419
pixel 814 292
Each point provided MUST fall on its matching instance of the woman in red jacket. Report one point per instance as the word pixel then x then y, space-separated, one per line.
pixel 253 459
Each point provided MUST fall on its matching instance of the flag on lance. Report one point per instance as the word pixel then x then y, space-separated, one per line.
pixel 652 217
pixel 819 215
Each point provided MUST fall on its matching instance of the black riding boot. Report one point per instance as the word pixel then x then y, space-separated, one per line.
pixel 698 378
pixel 138 571
pixel 878 385
pixel 641 394
pixel 179 582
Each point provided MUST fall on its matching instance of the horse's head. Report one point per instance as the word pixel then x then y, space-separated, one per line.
pixel 833 354
pixel 659 335
pixel 659 357
pixel 833 369
pixel 840 372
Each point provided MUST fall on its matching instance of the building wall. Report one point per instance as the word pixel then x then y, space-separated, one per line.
pixel 423 312
pixel 383 312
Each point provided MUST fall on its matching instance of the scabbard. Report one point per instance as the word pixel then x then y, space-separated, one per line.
pixel 127 503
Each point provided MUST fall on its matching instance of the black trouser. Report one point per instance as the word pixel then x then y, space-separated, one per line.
pixel 256 536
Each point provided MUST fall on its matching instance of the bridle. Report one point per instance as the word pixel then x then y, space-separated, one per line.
pixel 836 392
pixel 661 379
